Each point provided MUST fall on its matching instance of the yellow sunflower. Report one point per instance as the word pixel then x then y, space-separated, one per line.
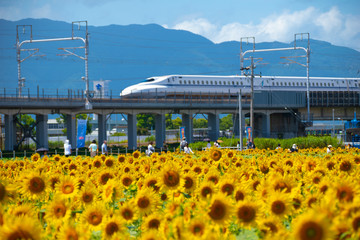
pixel 206 190
pixel 126 180
pixel 94 215
pixel 112 191
pixel 34 185
pixel 67 187
pixel 170 178
pixel 246 213
pixel 312 225
pixel 153 221
pixel 128 212
pixel 23 227
pixel 71 231
pixel 152 182
pixel 215 154
pixel 111 226
pixel 88 194
pixel 220 210
pixel 279 204
pixel 190 182
pixel 196 229
pixel 146 201
pixel 227 186
pixel 57 211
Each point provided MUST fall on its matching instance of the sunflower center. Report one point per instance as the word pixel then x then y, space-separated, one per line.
pixel 356 223
pixel 311 230
pixel 188 182
pixel 206 191
pixel 345 166
pixel 214 179
pixel 239 196
pixel 227 188
pixel 60 211
pixel 2 192
pixel 111 228
pixel 105 178
pixel 143 202
pixel 37 185
pixel 217 210
pixel 296 203
pixel 197 229
pixel 127 214
pixel 345 194
pixel 246 213
pixel 97 164
pixel 127 181
pixel 67 188
pixel 163 196
pixel 20 234
pixel 87 197
pixel 271 226
pixel 154 223
pixel 71 235
pixel 171 178
pixel 152 183
pixel 95 218
pixel 278 207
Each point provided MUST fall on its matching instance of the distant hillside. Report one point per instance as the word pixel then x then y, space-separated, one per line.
pixel 129 54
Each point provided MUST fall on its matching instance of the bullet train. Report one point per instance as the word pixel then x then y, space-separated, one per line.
pixel 208 85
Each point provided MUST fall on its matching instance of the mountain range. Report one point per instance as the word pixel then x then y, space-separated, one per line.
pixel 127 55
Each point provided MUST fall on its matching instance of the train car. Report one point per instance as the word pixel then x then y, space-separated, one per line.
pixel 201 84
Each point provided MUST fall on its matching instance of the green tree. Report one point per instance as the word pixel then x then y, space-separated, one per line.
pixel 226 122
pixel 145 122
pixel 200 123
pixel 177 122
pixel 168 121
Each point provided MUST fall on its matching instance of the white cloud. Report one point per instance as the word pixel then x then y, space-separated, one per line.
pixel 329 26
pixel 43 12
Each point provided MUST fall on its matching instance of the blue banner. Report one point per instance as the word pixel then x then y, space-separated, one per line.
pixel 249 133
pixel 81 133
pixel 182 132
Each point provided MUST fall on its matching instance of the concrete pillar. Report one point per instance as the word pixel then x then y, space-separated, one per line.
pixel 160 129
pixel 101 129
pixel 187 122
pixel 42 131
pixel 214 126
pixel 71 129
pixel 267 125
pixel 132 134
pixel 10 132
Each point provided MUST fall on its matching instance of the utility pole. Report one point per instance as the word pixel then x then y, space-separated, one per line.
pixel 240 122
pixel 252 96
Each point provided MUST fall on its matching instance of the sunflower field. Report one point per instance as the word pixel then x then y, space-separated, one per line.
pixel 213 194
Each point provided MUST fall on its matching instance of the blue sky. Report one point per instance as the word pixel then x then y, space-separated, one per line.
pixel 335 21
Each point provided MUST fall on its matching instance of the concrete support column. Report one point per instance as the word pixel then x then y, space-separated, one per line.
pixel 267 125
pixel 10 132
pixel 102 129
pixel 160 129
pixel 71 129
pixel 214 126
pixel 132 131
pixel 187 121
pixel 42 131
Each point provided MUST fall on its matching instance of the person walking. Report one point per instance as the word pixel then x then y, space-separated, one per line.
pixel 104 150
pixel 150 149
pixel 93 148
pixel 183 144
pixel 67 148
pixel 187 149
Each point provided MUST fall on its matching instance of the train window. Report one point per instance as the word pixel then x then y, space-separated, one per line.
pixel 198 82
pixel 207 82
pixel 284 83
pixel 317 84
pixel 281 83
pixel 273 83
pixel 241 83
pixel 294 84
pixel 320 84
pixel 202 82
pixel 332 84
pixel 211 82
pixel 233 83
pixel 168 79
pixel 215 82
pixel 180 82
pixel 297 84
pixel 194 82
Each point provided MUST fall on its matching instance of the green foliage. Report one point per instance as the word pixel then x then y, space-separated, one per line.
pixel 200 123
pixel 118 134
pixel 150 138
pixel 146 121
pixel 177 123
pixel 226 122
